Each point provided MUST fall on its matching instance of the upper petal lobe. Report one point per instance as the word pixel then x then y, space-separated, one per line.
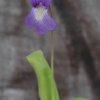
pixel 34 3
pixel 46 3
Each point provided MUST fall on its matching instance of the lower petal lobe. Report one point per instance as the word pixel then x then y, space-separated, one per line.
pixel 46 24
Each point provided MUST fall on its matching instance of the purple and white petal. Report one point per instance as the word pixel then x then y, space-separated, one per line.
pixel 34 3
pixel 46 3
pixel 45 25
pixel 41 24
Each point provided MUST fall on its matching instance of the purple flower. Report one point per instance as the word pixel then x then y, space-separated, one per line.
pixel 38 18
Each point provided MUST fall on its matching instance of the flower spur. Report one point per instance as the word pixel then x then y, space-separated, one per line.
pixel 38 18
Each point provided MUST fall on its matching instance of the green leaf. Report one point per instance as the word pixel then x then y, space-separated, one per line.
pixel 46 83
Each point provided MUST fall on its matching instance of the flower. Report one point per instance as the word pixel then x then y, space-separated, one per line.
pixel 38 18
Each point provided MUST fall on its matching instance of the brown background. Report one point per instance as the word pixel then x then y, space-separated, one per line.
pixel 77 50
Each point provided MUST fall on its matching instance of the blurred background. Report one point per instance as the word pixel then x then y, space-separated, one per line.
pixel 77 50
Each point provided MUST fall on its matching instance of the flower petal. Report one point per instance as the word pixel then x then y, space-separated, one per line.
pixel 34 3
pixel 45 25
pixel 29 20
pixel 46 3
pixel 42 26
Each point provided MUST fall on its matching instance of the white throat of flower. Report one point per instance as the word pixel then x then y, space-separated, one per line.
pixel 39 12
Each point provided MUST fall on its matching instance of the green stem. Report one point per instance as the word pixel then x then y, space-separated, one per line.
pixel 52 53
pixel 52 56
pixel 52 47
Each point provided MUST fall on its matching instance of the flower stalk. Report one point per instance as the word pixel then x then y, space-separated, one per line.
pixel 52 46
pixel 52 55
pixel 52 52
